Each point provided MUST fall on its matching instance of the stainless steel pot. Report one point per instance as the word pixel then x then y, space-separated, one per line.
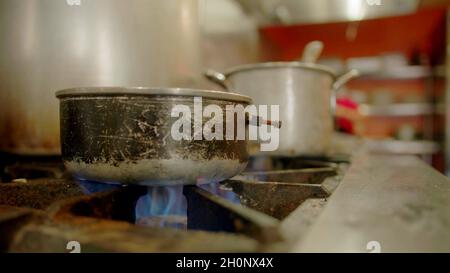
pixel 123 135
pixel 305 93
pixel 49 45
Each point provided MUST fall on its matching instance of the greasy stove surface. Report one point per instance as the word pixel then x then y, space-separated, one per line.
pixel 266 208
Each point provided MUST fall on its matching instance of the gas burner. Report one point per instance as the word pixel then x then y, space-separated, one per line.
pixel 21 168
pixel 251 212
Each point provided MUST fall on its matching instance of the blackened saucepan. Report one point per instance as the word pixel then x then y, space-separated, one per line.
pixel 124 135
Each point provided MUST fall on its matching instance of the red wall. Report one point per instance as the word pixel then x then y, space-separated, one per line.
pixel 422 32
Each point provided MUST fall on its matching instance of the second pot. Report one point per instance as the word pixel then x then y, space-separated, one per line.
pixel 305 93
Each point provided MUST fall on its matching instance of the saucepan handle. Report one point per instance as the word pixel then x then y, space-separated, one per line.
pixel 258 121
pixel 217 78
pixel 343 79
pixel 338 84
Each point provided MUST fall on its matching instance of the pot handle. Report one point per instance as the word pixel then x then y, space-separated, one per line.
pixel 258 121
pixel 343 79
pixel 217 78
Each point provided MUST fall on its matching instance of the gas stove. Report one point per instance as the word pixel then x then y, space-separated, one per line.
pixel 265 209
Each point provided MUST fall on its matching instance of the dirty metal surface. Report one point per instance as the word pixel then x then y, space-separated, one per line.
pixel 37 194
pixel 264 163
pixel 14 166
pixel 106 236
pixel 11 220
pixel 207 211
pixel 284 197
pixel 128 139
pixel 132 128
pixel 297 224
pixel 43 215
pixel 33 170
pixel 397 201
pixel 303 176
pixel 117 204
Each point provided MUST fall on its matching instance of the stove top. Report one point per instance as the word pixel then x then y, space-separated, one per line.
pixel 265 208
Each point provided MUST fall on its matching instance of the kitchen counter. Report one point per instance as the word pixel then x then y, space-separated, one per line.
pixel 398 203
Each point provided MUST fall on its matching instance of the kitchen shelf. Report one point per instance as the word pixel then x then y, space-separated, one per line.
pixel 440 71
pixel 400 73
pixel 420 147
pixel 441 109
pixel 397 110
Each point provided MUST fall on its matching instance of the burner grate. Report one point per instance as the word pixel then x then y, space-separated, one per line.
pixel 252 212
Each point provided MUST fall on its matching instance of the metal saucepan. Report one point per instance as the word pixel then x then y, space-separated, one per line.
pixel 305 92
pixel 123 135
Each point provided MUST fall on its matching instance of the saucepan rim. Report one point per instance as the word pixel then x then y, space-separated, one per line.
pixel 151 91
pixel 269 65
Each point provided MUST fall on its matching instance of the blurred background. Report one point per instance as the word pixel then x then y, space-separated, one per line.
pixel 283 201
pixel 400 47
